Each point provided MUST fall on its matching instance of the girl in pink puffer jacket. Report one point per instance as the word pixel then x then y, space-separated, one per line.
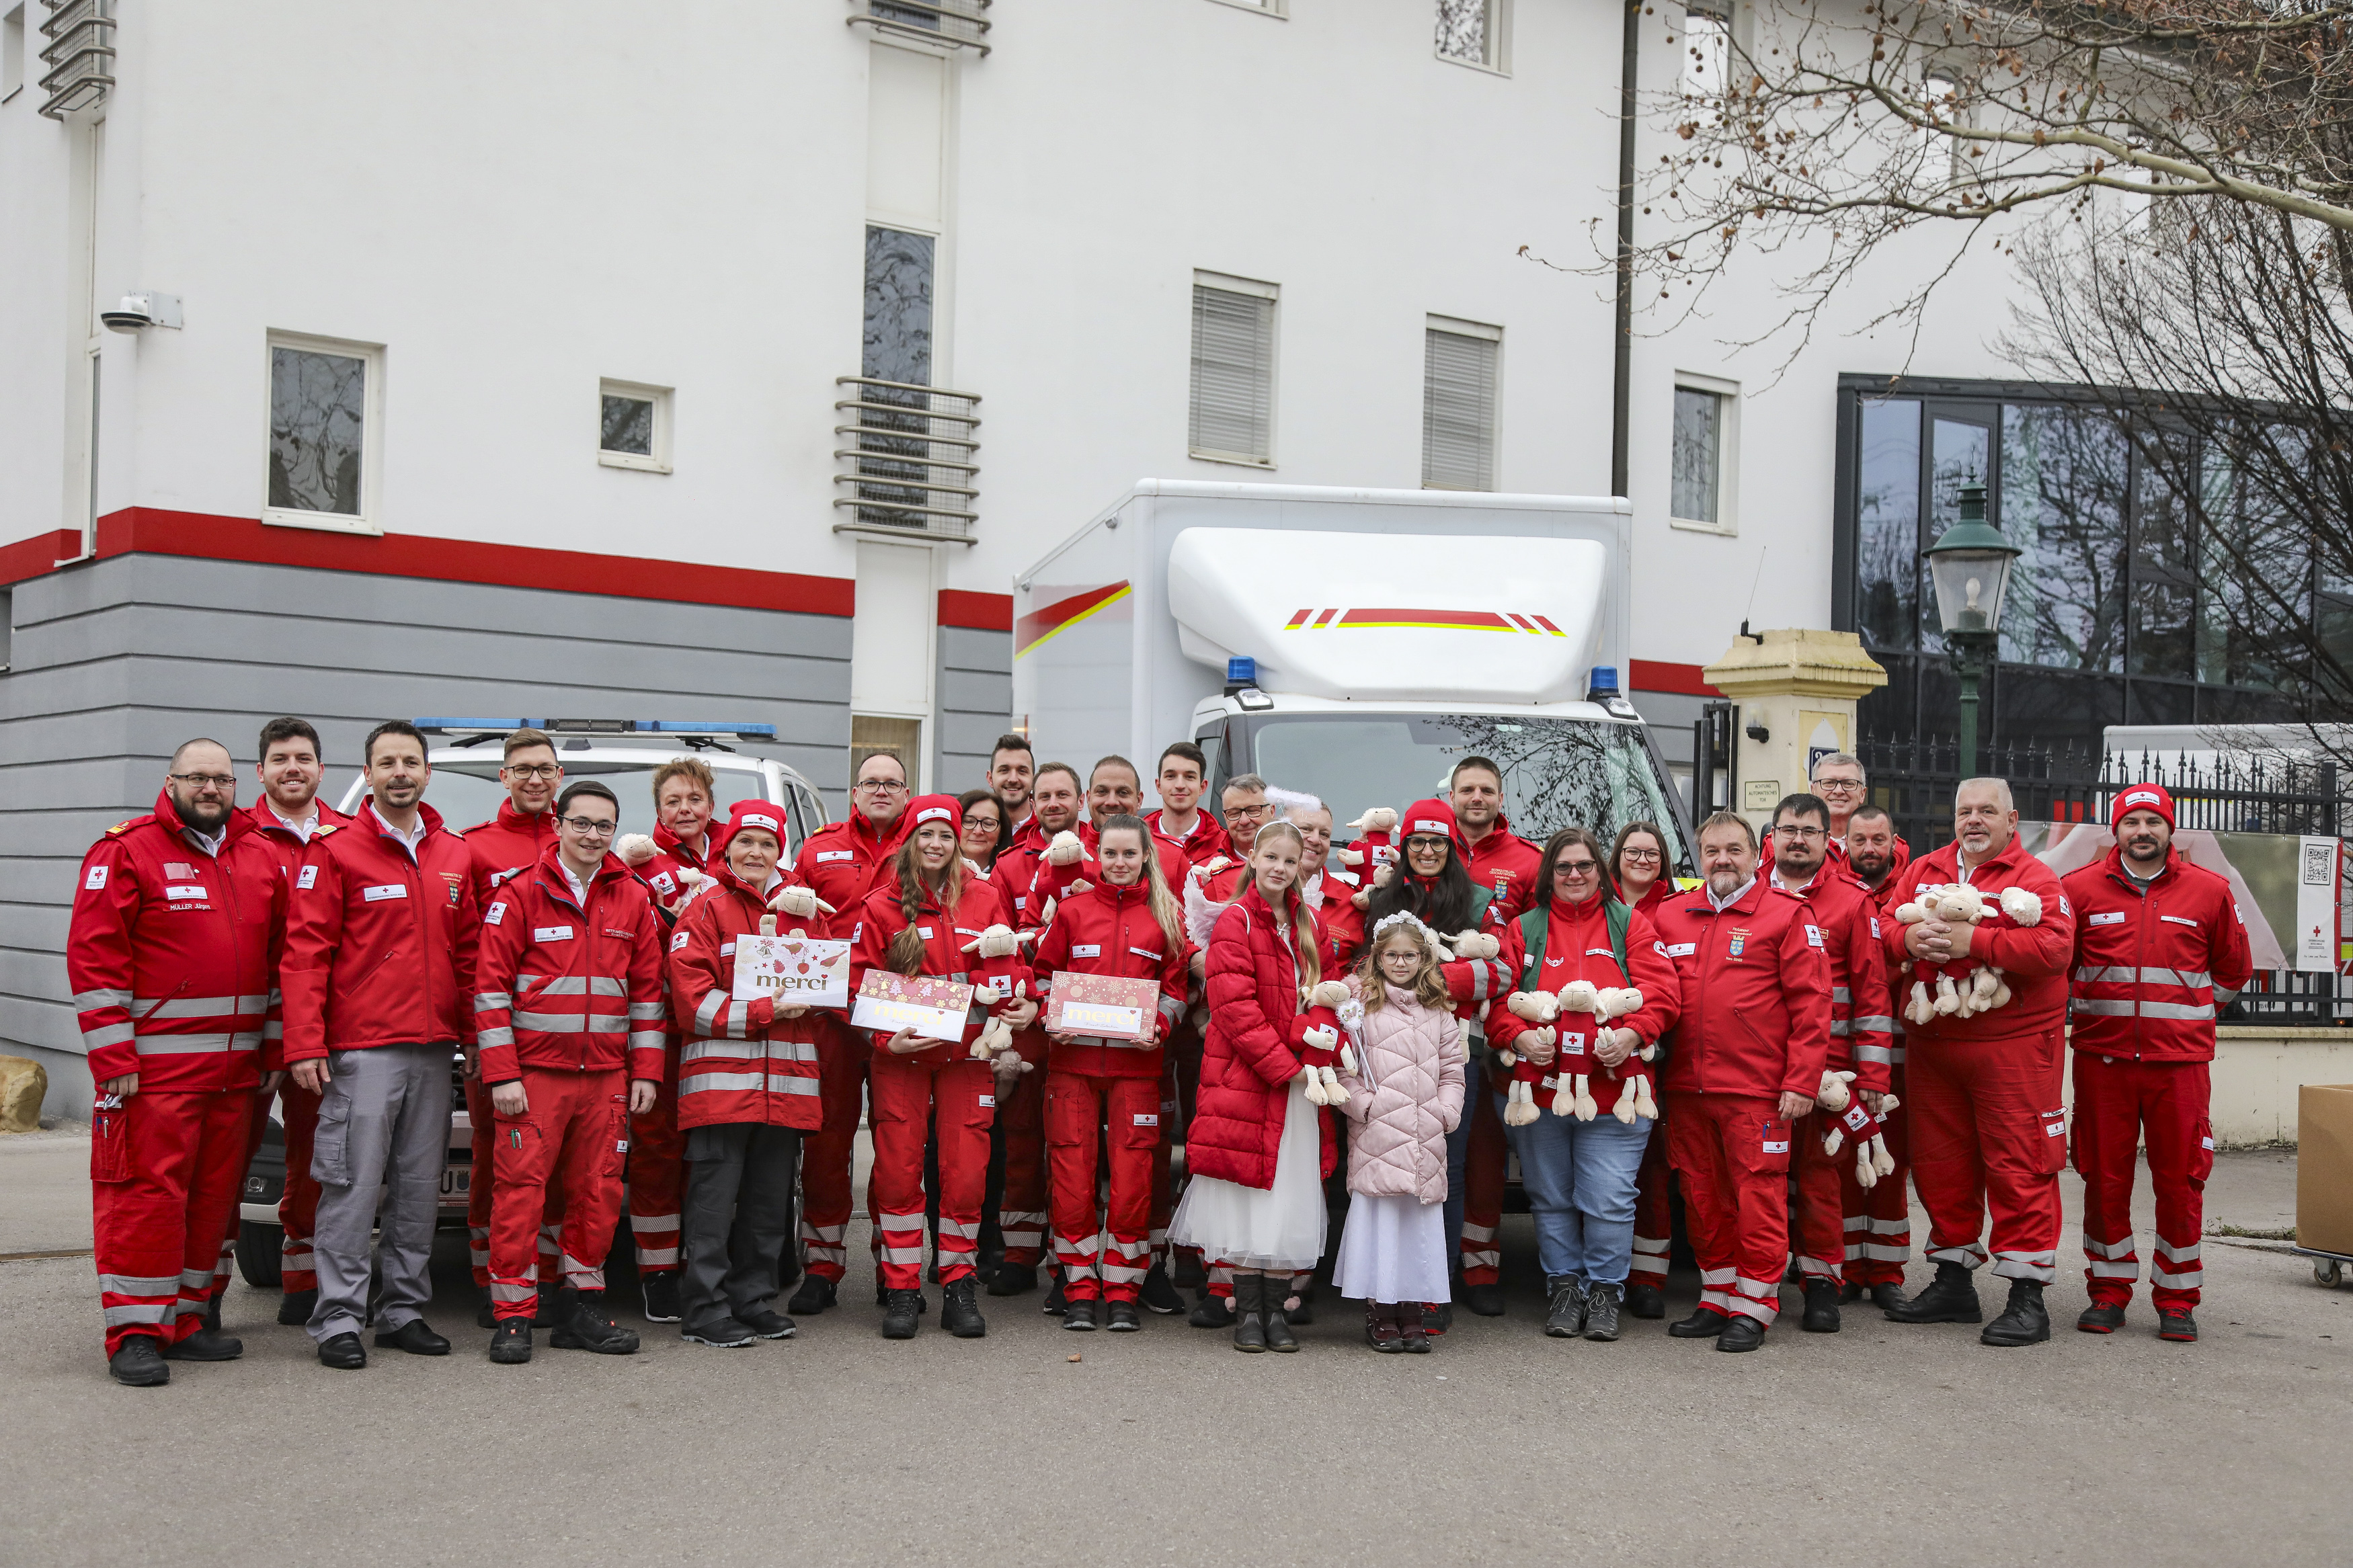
pixel 1404 1078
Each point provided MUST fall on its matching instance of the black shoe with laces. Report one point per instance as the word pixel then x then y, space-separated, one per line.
pixel 1124 1318
pixel 1742 1333
pixel 2176 1324
pixel 766 1322
pixel 139 1364
pixel 659 1296
pixel 1159 1293
pixel 1645 1300
pixel 205 1345
pixel 294 1307
pixel 1704 1324
pixel 415 1337
pixel 1079 1316
pixel 815 1295
pixel 1821 1308
pixel 1887 1297
pixel 1950 1298
pixel 1487 1301
pixel 510 1341
pixel 726 1334
pixel 590 1327
pixel 2101 1318
pixel 1601 1300
pixel 1013 1279
pixel 2023 1321
pixel 900 1311
pixel 342 1351
pixel 959 1313
pixel 1565 1316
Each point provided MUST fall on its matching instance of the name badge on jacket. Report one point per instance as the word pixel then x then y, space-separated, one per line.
pixel 377 894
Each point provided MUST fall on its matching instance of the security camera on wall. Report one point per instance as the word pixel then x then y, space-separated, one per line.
pixel 139 310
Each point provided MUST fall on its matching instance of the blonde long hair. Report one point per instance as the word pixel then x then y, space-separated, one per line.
pixel 1156 895
pixel 906 955
pixel 1303 942
pixel 1429 985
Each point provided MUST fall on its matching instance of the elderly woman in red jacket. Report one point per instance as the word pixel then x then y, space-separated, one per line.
pixel 1257 1151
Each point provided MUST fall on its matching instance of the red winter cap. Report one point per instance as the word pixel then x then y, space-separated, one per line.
pixel 934 808
pixel 2142 798
pixel 763 815
pixel 1430 816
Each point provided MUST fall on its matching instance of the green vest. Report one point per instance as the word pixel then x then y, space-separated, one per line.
pixel 1537 924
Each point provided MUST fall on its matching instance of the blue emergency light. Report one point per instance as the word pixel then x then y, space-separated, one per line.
pixel 603 727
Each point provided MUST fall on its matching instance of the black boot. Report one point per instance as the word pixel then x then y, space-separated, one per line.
pixel 1158 1294
pixel 1487 1301
pixel 1742 1333
pixel 900 1310
pixel 1601 1310
pixel 815 1295
pixel 1250 1318
pixel 511 1341
pixel 658 1294
pixel 1645 1300
pixel 1382 1330
pixel 588 1327
pixel 1124 1318
pixel 1950 1298
pixel 2023 1321
pixel 139 1364
pixel 1822 1307
pixel 1279 1337
pixel 1212 1312
pixel 1887 1297
pixel 554 1307
pixel 2101 1318
pixel 1013 1279
pixel 205 1345
pixel 1704 1324
pixel 959 1313
pixel 1056 1297
pixel 1080 1317
pixel 295 1307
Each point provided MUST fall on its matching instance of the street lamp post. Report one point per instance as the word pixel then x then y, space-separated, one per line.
pixel 1970 567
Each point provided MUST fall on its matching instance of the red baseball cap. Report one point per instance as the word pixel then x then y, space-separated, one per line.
pixel 2142 798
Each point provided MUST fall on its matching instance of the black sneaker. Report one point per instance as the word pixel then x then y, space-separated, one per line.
pixel 205 1345
pixel 294 1307
pixel 660 1296
pixel 2023 1321
pixel 1124 1318
pixel 1080 1317
pixel 900 1311
pixel 1160 1292
pixel 1487 1301
pixel 1014 1279
pixel 766 1323
pixel 590 1328
pixel 139 1364
pixel 1742 1333
pixel 959 1313
pixel 1055 1299
pixel 815 1295
pixel 1211 1312
pixel 2176 1324
pixel 1601 1310
pixel 726 1334
pixel 1645 1300
pixel 1821 1308
pixel 2101 1318
pixel 1950 1298
pixel 510 1341
pixel 1565 1318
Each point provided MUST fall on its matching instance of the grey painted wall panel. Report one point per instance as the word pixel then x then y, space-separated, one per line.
pixel 965 648
pixel 974 683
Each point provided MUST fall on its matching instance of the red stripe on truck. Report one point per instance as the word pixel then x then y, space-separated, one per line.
pixel 1040 624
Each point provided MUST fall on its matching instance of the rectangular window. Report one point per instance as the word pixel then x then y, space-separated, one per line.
pixel 1232 412
pixel 2062 502
pixel 1887 524
pixel 1473 32
pixel 1458 404
pixel 1701 492
pixel 633 427
pixel 1707 51
pixel 2164 568
pixel 326 414
pixel 897 334
pixel 1959 453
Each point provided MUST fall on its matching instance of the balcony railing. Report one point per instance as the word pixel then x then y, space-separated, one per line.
pixel 959 24
pixel 80 55
pixel 908 458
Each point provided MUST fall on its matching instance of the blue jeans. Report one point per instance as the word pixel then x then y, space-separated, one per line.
pixel 1579 1177
pixel 1458 1149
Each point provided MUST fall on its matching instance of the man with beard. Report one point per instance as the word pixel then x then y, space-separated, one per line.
pixel 1879 1218
pixel 1011 764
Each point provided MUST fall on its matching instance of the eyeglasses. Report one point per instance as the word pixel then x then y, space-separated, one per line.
pixel 1842 786
pixel 1791 830
pixel 534 770
pixel 1575 868
pixel 980 825
pixel 208 780
pixel 1647 857
pixel 588 827
pixel 1248 813
pixel 882 787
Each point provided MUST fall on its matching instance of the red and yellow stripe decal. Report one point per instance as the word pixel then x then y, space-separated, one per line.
pixel 1039 625
pixel 1423 620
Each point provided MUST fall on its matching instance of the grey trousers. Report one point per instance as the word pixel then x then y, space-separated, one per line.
pixel 737 1220
pixel 383 1133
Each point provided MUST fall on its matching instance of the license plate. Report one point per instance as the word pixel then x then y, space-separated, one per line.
pixel 455 1181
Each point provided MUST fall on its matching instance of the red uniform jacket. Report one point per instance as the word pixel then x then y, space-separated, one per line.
pixel 1052 881
pixel 1576 947
pixel 1755 979
pixel 944 934
pixel 1334 903
pixel 1017 866
pixel 2153 960
pixel 380 950
pixel 1205 843
pixel 739 1062
pixel 171 952
pixel 671 858
pixel 1252 1052
pixel 1110 930
pixel 558 985
pixel 1505 865
pixel 1863 1022
pixel 293 854
pixel 505 844
pixel 2033 958
pixel 844 861
pixel 1651 902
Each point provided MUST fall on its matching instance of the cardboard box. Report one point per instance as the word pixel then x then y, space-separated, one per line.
pixel 2324 1167
pixel 793 971
pixel 935 1008
pixel 1126 1012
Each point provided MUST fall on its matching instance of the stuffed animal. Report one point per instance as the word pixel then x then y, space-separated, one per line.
pixel 1375 838
pixel 1537 1008
pixel 1634 1096
pixel 1962 988
pixel 1572 1082
pixel 996 951
pixel 1318 1054
pixel 1852 1121
pixel 1470 945
pixel 634 849
pixel 801 903
pixel 1520 1099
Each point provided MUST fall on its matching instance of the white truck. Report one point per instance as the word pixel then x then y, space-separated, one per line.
pixel 1352 644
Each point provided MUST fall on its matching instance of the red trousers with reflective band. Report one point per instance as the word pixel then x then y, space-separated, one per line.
pixel 1021 1211
pixel 1485 1159
pixel 1104 1253
pixel 480 1180
pixel 1879 1218
pixel 1989 1132
pixel 1733 1154
pixel 1654 1211
pixel 844 1058
pixel 298 1203
pixel 657 1175
pixel 2117 1105
pixel 962 1093
pixel 165 1170
pixel 1817 1215
pixel 571 1140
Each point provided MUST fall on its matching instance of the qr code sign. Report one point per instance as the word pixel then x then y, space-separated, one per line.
pixel 2319 865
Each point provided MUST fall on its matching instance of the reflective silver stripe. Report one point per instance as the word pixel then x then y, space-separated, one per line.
pixel 952 1227
pixel 147 1313
pixel 2123 1007
pixel 2195 979
pixel 108 1034
pixel 191 1045
pixel 526 981
pixel 2224 995
pixel 1969 1257
pixel 1838 1029
pixel 791 1051
pixel 2189 1282
pixel 1890 1226
pixel 909 1255
pixel 645 1039
pixel 139 1284
pixel 491 1001
pixel 2101 1006
pixel 566 985
pixel 606 1024
pixel 606 985
pixel 779 1084
pixel 640 1010
pixel 1125 1249
pixel 1881 1055
pixel 500 1290
pixel 485 1038
pixel 701 1082
pixel 88 1001
pixel 702 1050
pixel 706 1016
pixel 1171 1008
pixel 1840 993
pixel 2097 974
pixel 901 1221
pixel 1123 1273
pixel 2107 1248
pixel 2101 1268
pixel 1878 1254
pixel 559 1023
pixel 640 1223
pixel 205 1006
pixel 1875 1024
pixel 833 1233
pixel 2179 1010
pixel 2192 1253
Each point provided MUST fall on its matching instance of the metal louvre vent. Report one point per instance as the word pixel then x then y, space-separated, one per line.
pixel 911 457
pixel 962 23
pixel 80 55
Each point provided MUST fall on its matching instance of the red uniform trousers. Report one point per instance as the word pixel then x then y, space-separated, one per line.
pixel 1021 1211
pixel 479 1182
pixel 911 1096
pixel 256 1125
pixel 1736 1197
pixel 1988 1131
pixel 844 1058
pixel 1879 1218
pixel 1077 1107
pixel 1817 1214
pixel 1485 1164
pixel 1654 1211
pixel 164 1174
pixel 566 1148
pixel 658 1174
pixel 298 1203
pixel 2117 1103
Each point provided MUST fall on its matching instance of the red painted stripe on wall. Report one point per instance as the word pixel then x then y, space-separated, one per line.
pixel 975 612
pixel 152 531
pixel 1656 675
pixel 31 557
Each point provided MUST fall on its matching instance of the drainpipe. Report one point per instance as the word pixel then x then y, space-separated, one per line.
pixel 1621 389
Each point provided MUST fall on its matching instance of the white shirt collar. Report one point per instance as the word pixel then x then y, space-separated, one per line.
pixel 1737 894
pixel 209 843
pixel 409 840
pixel 302 829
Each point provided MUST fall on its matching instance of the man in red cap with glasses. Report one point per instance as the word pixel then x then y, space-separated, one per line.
pixel 2160 947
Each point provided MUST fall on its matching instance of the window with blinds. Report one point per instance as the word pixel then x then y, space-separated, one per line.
pixel 1232 414
pixel 1458 405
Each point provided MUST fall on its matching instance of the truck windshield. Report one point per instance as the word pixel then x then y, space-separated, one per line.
pixel 1557 773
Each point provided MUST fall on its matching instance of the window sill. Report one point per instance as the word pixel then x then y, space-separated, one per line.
pixel 1470 65
pixel 632 460
pixel 324 521
pixel 1277 10
pixel 1727 530
pixel 1234 459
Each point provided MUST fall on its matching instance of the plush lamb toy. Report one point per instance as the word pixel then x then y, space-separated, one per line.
pixel 1375 838
pixel 1317 1054
pixel 1852 1121
pixel 1634 1095
pixel 801 903
pixel 1962 988
pixel 636 849
pixel 1574 1094
pixel 1537 1008
pixel 993 952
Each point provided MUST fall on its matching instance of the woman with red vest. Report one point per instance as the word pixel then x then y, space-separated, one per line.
pixel 1258 1152
pixel 1645 882
pixel 1126 925
pixel 925 921
pixel 748 1089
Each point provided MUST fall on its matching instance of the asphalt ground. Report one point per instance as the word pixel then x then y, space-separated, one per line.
pixel 1882 1444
